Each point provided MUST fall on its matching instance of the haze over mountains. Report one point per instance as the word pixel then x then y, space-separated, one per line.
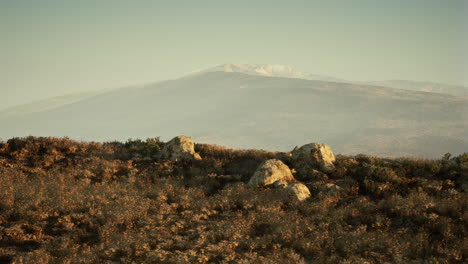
pixel 262 106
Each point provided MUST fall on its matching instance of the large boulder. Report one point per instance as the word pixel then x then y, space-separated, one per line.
pixel 313 155
pixel 298 190
pixel 180 148
pixel 269 172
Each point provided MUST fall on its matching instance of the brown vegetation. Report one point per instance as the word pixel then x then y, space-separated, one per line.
pixel 63 201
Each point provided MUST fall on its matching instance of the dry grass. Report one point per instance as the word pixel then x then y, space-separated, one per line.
pixel 63 201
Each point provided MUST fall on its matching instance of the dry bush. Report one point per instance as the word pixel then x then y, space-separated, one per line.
pixel 63 201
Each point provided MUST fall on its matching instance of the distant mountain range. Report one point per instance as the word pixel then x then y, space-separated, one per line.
pixel 261 106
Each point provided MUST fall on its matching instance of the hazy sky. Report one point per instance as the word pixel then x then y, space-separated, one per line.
pixel 54 47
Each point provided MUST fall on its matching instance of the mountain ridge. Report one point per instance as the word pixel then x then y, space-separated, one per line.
pixel 268 70
pixel 285 71
pixel 265 70
pixel 240 110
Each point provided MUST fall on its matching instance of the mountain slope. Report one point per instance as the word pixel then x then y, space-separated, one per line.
pixel 48 104
pixel 424 87
pixel 241 110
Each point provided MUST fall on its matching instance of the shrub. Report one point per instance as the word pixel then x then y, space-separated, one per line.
pixel 63 201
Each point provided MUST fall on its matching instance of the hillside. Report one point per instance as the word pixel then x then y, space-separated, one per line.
pixel 424 87
pixel 63 201
pixel 244 110
pixel 47 104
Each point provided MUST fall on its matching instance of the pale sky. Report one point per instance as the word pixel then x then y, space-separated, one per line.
pixel 55 47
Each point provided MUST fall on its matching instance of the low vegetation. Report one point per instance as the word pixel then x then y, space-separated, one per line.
pixel 63 201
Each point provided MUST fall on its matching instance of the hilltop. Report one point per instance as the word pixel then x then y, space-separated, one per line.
pixel 86 202
pixel 268 70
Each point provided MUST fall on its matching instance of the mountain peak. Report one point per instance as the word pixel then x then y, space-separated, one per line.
pixel 268 70
pixel 260 69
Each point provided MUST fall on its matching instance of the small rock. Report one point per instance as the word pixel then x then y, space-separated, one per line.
pixel 180 148
pixel 298 190
pixel 314 154
pixel 269 172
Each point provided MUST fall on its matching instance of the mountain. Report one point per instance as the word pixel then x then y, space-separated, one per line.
pixel 285 71
pixel 423 87
pixel 252 110
pixel 48 104
pixel 268 70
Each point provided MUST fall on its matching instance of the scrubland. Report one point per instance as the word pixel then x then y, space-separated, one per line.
pixel 63 201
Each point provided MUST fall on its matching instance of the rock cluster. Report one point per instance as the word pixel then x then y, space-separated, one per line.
pixel 275 172
pixel 311 161
pixel 179 148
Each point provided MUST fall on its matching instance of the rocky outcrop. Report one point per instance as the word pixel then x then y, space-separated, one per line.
pixel 180 148
pixel 313 156
pixel 298 190
pixel 269 172
pixel 276 173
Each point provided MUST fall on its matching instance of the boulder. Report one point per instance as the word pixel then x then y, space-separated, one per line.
pixel 314 155
pixel 298 190
pixel 180 148
pixel 269 172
